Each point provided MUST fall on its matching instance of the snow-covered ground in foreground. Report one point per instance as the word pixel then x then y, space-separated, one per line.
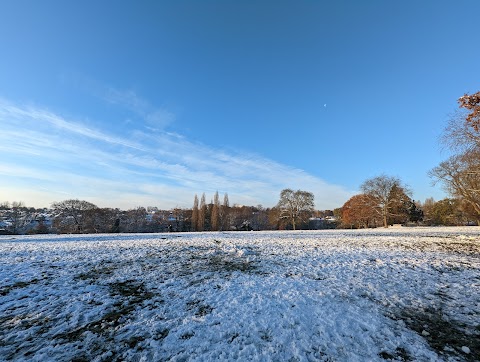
pixel 408 294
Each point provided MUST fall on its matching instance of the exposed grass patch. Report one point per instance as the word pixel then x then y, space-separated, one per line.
pixel 133 342
pixel 35 326
pixel 400 355
pixel 131 294
pixel 161 335
pixel 130 289
pixel 449 244
pixel 187 335
pixel 218 262
pixel 221 263
pixel 446 337
pixel 201 310
pixel 233 337
pixel 97 272
pixel 266 336
pixel 18 285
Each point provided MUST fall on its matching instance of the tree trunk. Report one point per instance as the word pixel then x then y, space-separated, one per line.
pixel 385 225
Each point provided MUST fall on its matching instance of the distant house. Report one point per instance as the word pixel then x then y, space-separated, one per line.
pixel 4 225
pixel 320 223
pixel 171 217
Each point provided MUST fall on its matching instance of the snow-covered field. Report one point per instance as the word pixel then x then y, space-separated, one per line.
pixel 407 294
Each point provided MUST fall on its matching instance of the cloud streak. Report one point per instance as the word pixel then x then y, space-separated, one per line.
pixel 53 157
pixel 155 118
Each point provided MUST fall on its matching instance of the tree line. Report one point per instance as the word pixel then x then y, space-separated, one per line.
pixel 80 216
pixel 295 210
pixel 384 200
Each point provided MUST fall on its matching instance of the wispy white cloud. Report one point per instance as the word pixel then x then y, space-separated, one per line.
pixel 159 119
pixel 21 116
pixel 59 156
pixel 156 118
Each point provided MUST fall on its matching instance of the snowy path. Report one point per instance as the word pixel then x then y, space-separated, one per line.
pixel 394 294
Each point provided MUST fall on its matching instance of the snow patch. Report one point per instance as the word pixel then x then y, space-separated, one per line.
pixel 357 295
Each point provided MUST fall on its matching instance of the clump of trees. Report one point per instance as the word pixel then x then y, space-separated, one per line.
pixel 75 216
pixel 387 197
pixel 384 200
pixel 16 218
pixel 220 216
pixel 291 212
pixel 213 217
pixel 460 173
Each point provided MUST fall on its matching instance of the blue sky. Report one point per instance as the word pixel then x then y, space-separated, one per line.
pixel 129 103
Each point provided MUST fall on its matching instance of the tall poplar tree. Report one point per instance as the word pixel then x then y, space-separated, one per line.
pixel 215 219
pixel 195 214
pixel 202 212
pixel 224 213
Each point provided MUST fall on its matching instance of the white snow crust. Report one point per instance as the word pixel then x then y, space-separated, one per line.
pixel 339 295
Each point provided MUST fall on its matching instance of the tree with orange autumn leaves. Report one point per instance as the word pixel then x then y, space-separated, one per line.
pixel 359 212
pixel 472 103
pixel 384 200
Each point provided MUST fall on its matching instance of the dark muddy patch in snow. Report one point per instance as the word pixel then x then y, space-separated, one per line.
pixel 18 285
pixel 97 338
pixel 133 294
pixel 134 291
pixel 103 269
pixel 220 262
pixel 400 355
pixel 447 337
pixel 199 307
pixel 449 244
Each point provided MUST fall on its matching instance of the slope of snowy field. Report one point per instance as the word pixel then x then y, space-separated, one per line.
pixel 407 294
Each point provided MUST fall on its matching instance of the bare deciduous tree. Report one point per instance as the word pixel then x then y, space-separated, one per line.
pixel 458 135
pixel 460 175
pixel 385 193
pixel 102 220
pixel 293 204
pixel 135 220
pixel 16 216
pixel 75 210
